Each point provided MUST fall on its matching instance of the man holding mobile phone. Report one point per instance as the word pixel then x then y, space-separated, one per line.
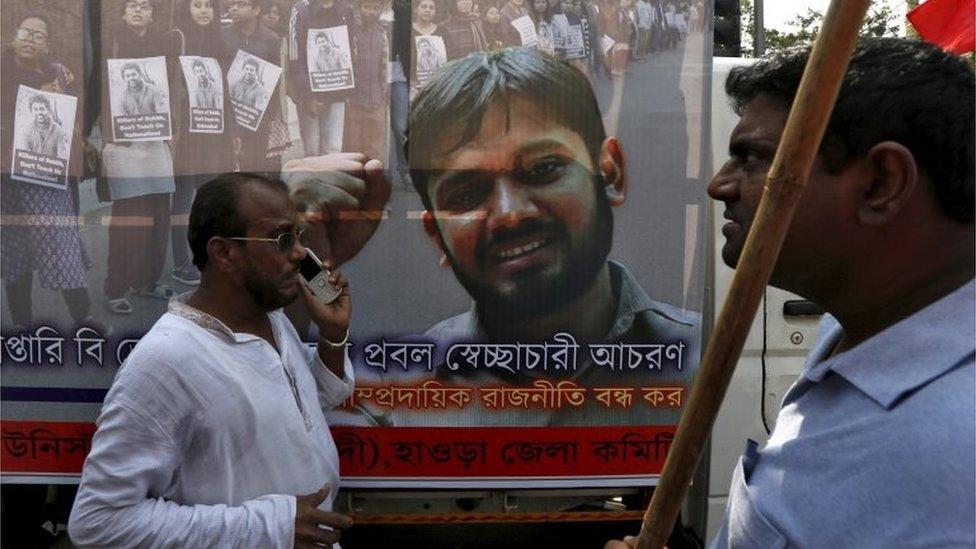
pixel 214 425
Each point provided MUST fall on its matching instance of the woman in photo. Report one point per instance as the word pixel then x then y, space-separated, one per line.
pixel 45 239
pixel 199 156
pixel 541 16
pixel 139 174
pixel 424 17
pixel 462 30
pixel 497 36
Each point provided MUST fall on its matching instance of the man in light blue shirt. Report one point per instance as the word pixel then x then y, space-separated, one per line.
pixel 874 445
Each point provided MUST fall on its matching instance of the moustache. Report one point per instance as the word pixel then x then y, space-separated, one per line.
pixel 526 229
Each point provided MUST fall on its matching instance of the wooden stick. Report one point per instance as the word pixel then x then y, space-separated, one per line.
pixel 784 184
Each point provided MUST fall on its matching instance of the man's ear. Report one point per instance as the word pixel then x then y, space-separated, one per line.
pixel 430 227
pixel 894 176
pixel 613 167
pixel 221 253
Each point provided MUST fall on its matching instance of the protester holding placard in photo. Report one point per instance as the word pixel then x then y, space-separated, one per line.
pixel 430 51
pixel 366 110
pixel 400 88
pixel 204 148
pixel 462 30
pixel 137 165
pixel 542 18
pixel 619 28
pixel 52 249
pixel 247 34
pixel 322 107
pixel 571 36
pixel 497 35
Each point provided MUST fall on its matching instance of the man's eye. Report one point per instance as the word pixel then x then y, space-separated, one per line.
pixel 464 197
pixel 543 171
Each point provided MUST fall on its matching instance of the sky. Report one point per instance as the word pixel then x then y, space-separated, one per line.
pixel 776 13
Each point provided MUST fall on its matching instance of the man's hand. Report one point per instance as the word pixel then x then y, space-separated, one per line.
pixel 309 520
pixel 343 195
pixel 331 318
pixel 629 542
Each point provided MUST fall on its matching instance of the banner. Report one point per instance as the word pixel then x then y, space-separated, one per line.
pixel 528 311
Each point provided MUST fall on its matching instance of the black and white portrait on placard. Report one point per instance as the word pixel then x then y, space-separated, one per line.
pixel 329 59
pixel 252 82
pixel 43 123
pixel 205 93
pixel 431 54
pixel 139 99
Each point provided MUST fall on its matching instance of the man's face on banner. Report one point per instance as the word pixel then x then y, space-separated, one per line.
pixel 42 115
pixel 138 14
pixel 243 12
pixel 370 11
pixel 520 214
pixel 249 72
pixel 132 79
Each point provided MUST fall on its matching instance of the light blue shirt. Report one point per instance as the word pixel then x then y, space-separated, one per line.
pixel 873 447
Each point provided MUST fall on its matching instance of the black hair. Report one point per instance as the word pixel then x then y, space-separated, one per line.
pixel 38 98
pixel 129 65
pixel 152 4
pixel 251 61
pixel 454 102
pixel 895 89
pixel 216 209
pixel 35 15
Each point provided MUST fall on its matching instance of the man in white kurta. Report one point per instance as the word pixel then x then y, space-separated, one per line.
pixel 214 423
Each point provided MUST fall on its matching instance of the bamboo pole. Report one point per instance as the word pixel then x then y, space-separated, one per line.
pixel 785 181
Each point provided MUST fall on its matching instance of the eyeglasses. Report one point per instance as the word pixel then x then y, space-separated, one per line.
pixel 34 36
pixel 141 6
pixel 283 242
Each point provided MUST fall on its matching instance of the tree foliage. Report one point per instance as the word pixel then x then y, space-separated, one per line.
pixel 881 20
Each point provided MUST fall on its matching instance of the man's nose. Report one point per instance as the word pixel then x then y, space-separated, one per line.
pixel 724 185
pixel 510 203
pixel 297 251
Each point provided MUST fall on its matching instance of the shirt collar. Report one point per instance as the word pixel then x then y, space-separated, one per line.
pixel 906 355
pixel 179 307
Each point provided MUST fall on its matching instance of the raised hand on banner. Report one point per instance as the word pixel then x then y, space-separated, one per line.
pixel 344 196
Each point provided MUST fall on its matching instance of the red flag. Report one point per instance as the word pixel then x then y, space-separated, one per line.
pixel 950 24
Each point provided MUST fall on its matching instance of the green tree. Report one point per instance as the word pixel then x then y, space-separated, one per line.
pixel 881 20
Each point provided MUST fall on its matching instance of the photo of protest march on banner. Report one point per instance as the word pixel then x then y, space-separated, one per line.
pixel 43 123
pixel 329 59
pixel 252 81
pixel 139 94
pixel 431 54
pixel 205 90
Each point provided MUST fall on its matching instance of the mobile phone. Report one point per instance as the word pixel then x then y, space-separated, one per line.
pixel 318 278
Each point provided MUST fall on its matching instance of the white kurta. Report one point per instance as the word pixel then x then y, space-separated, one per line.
pixel 205 438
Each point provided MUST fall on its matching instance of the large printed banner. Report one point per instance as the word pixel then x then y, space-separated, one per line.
pixel 527 313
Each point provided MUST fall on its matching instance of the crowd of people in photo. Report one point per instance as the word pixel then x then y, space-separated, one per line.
pixel 344 69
